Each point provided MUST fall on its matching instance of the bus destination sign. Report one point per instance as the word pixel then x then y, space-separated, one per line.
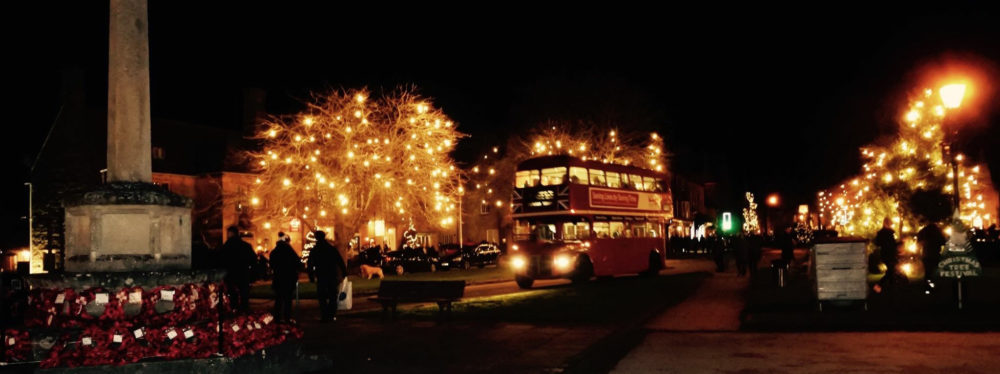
pixel 624 199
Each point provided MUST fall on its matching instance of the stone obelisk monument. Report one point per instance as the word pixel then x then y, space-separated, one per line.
pixel 128 224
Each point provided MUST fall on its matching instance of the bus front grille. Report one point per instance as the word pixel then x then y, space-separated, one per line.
pixel 540 265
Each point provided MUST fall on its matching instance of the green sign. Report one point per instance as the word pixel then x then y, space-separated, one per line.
pixel 727 222
pixel 960 266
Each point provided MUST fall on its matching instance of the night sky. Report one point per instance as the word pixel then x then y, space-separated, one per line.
pixel 760 99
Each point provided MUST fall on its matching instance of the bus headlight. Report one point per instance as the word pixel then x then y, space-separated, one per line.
pixel 514 247
pixel 562 262
pixel 518 262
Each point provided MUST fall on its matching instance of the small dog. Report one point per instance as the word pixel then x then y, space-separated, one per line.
pixel 368 271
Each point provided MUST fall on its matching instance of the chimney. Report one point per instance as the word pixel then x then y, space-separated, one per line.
pixel 253 108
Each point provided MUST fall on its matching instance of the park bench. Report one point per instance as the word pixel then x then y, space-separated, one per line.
pixel 393 292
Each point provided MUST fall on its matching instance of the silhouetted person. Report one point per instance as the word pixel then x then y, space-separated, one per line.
pixel 286 264
pixel 742 255
pixel 885 241
pixel 787 245
pixel 931 240
pixel 718 248
pixel 755 247
pixel 327 269
pixel 238 258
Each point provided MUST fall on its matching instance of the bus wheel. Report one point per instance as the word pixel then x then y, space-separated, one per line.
pixel 399 270
pixel 655 265
pixel 584 270
pixel 523 282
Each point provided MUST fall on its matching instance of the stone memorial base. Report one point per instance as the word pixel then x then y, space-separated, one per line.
pixel 126 226
pixel 115 281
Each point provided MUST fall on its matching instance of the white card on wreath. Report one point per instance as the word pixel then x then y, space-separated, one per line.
pixel 61 298
pixel 171 334
pixel 86 340
pixel 135 297
pixel 268 319
pixel 167 295
pixel 101 298
pixel 188 334
pixel 138 333
pixel 236 328
pixel 11 341
pixel 117 338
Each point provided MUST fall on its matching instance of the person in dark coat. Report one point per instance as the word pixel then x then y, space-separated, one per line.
pixel 285 263
pixel 238 259
pixel 931 240
pixel 718 248
pixel 327 269
pixel 742 254
pixel 787 245
pixel 755 247
pixel 885 241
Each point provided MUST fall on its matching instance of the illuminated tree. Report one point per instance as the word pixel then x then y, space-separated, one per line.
pixel 750 223
pixel 349 158
pixel 911 164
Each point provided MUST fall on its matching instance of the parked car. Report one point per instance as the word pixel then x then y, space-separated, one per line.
pixel 408 260
pixel 371 257
pixel 469 256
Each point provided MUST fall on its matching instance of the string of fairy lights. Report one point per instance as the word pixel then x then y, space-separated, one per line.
pixel 607 147
pixel 491 175
pixel 360 158
pixel 751 224
pixel 914 160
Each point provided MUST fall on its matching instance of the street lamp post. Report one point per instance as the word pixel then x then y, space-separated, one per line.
pixel 31 221
pixel 772 201
pixel 951 96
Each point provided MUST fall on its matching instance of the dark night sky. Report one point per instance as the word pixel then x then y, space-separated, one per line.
pixel 764 99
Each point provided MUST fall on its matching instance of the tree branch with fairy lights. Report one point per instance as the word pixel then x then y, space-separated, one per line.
pixel 911 164
pixel 349 158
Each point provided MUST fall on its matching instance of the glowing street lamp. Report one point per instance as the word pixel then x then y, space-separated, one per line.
pixel 952 94
pixel 772 201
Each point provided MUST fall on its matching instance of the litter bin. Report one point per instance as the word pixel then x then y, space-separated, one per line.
pixel 780 270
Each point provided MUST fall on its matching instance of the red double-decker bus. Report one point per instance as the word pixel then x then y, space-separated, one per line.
pixel 577 219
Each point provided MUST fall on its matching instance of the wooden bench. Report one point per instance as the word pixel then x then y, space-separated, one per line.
pixel 393 292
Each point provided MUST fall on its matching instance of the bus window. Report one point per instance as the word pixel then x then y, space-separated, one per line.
pixel 597 178
pixel 625 183
pixel 569 231
pixel 534 178
pixel 578 175
pixel 553 176
pixel 602 230
pixel 616 229
pixel 583 230
pixel 543 232
pixel 648 183
pixel 659 186
pixel 522 230
pixel 636 182
pixel 521 179
pixel 613 180
pixel 640 230
pixel 576 231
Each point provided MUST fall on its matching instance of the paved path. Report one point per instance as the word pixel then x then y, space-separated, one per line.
pixel 715 306
pixel 701 335
pixel 877 352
